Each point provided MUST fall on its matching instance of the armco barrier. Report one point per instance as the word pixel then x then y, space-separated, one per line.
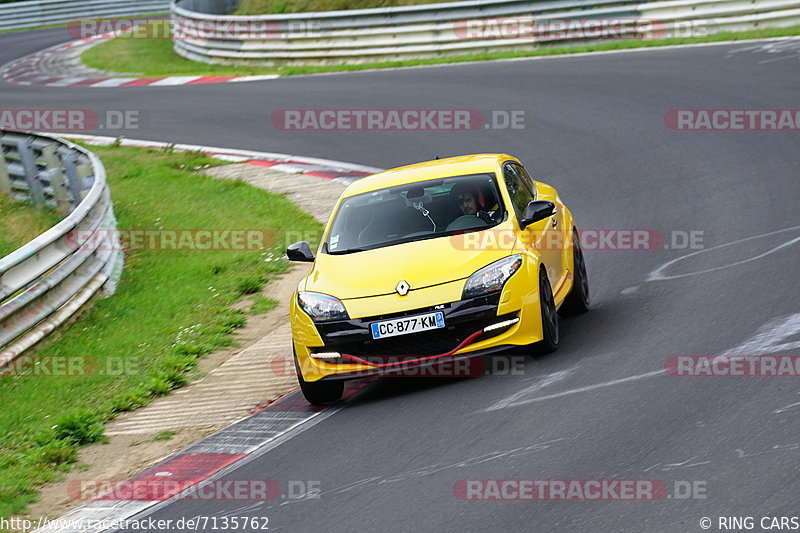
pixel 47 280
pixel 204 32
pixel 45 12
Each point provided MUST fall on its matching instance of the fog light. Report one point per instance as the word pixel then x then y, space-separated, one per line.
pixel 326 355
pixel 502 324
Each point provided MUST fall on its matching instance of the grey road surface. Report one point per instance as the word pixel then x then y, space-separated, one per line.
pixel 599 407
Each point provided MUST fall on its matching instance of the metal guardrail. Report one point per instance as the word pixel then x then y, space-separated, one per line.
pixel 45 12
pixel 47 280
pixel 203 33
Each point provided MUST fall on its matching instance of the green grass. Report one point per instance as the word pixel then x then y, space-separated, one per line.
pixel 262 7
pixel 20 222
pixel 165 435
pixel 171 308
pixel 155 57
pixel 261 304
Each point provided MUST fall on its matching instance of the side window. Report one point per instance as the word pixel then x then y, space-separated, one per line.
pixel 526 178
pixel 518 188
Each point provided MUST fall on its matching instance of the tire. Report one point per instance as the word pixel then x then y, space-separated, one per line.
pixel 577 301
pixel 318 392
pixel 550 330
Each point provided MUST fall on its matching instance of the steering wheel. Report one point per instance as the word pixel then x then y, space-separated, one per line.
pixel 467 222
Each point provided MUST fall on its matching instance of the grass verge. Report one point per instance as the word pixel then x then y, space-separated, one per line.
pixel 20 222
pixel 266 7
pixel 155 57
pixel 171 308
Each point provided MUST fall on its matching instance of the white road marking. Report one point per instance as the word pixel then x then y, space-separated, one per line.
pixel 786 408
pixel 519 397
pixel 583 389
pixel 764 61
pixel 789 44
pixel 767 338
pixel 741 454
pixel 658 274
pixel 672 466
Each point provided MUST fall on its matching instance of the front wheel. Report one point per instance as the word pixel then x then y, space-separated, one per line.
pixel 577 301
pixel 318 392
pixel 549 340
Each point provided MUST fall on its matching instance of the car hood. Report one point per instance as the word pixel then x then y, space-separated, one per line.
pixel 377 272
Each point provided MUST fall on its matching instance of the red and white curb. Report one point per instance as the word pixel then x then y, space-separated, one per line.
pixel 181 475
pixel 24 71
pixel 292 164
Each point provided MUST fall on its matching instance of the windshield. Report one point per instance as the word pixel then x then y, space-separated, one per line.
pixel 415 211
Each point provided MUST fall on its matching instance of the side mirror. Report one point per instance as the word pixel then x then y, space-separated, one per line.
pixel 300 251
pixel 537 210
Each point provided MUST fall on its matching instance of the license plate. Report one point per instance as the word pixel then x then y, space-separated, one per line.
pixel 406 325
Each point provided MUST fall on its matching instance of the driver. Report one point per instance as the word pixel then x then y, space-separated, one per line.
pixel 468 198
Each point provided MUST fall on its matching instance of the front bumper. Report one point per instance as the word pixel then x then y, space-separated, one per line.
pixel 462 319
pixel 462 338
pixel 439 367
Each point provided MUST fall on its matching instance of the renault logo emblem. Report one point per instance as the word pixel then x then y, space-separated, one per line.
pixel 402 288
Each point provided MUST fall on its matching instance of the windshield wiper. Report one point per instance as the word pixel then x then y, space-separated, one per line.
pixel 347 251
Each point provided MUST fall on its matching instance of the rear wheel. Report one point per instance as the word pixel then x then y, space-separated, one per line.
pixel 318 392
pixel 577 301
pixel 549 340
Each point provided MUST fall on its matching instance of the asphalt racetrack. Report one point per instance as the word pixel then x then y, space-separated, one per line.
pixel 601 407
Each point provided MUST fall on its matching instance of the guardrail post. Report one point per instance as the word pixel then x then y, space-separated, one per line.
pixel 5 180
pixel 60 193
pixel 86 176
pixel 70 162
pixel 28 160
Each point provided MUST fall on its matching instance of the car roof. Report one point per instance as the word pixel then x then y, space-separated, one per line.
pixel 428 170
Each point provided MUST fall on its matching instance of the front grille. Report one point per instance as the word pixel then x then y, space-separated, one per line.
pixel 414 345
pixel 422 344
pixel 462 319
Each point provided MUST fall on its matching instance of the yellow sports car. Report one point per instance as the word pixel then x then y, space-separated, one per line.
pixel 447 259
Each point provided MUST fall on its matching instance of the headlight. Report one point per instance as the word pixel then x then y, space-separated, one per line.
pixel 491 278
pixel 321 306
